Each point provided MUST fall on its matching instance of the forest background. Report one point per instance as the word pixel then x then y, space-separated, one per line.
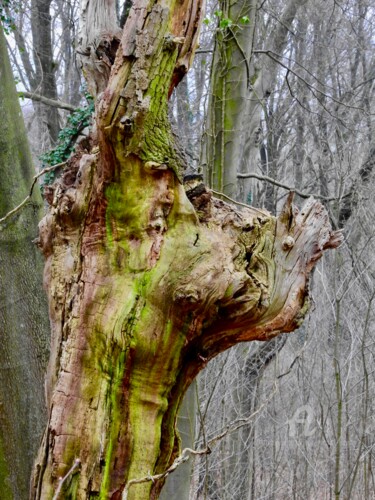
pixel 295 81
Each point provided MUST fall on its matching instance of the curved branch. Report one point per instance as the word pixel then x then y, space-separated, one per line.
pixel 228 198
pixel 182 458
pixel 28 197
pixel 247 64
pixel 290 188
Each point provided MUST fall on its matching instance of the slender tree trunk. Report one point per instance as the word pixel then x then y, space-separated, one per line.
pixel 72 76
pixel 147 283
pixel 24 329
pixel 263 84
pixel 230 91
pixel 45 81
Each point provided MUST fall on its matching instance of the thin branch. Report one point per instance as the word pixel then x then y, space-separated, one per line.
pixel 46 100
pixel 249 86
pixel 242 422
pixel 16 63
pixel 277 58
pixel 28 197
pixel 218 193
pixel 290 188
pixel 296 98
pixel 177 462
pixel 63 479
pixel 15 210
pixel 289 369
pixel 261 5
pixel 204 51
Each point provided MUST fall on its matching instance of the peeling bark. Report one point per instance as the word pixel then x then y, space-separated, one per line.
pixel 146 285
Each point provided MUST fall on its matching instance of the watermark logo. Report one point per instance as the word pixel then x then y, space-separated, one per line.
pixel 302 422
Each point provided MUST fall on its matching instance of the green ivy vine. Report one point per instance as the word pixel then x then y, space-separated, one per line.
pixel 76 122
pixel 225 22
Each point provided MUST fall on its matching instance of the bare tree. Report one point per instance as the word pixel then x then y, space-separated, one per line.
pixel 313 438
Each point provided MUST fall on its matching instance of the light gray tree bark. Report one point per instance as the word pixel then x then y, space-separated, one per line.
pixel 24 326
pixel 45 81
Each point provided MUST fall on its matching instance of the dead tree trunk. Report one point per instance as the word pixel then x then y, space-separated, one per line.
pixel 146 285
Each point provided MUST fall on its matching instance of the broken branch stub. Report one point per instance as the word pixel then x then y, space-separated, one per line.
pixel 265 279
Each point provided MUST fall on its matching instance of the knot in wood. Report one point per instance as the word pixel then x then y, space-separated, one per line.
pixel 186 297
pixel 126 123
pixel 288 243
pixel 66 202
pixel 171 41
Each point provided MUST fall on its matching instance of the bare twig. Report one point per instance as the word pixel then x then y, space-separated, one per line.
pixel 261 5
pixel 28 197
pixel 290 188
pixel 296 98
pixel 46 100
pixel 249 86
pixel 63 479
pixel 241 422
pixel 278 59
pixel 289 369
pixel 177 462
pixel 204 51
pixel 218 193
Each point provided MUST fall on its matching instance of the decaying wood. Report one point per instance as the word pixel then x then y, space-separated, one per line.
pixel 146 285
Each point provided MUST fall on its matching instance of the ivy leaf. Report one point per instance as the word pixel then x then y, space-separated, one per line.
pixel 225 23
pixel 218 13
pixel 245 20
pixel 206 21
pixel 79 119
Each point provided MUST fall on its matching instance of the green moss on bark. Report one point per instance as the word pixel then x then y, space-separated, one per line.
pixel 114 396
pixel 6 491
